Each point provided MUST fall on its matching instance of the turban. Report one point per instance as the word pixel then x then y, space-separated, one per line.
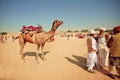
pixel 101 28
pixel 91 31
pixel 116 29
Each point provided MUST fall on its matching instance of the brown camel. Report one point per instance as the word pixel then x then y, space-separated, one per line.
pixel 38 38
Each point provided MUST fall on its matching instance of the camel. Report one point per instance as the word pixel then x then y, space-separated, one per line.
pixel 38 38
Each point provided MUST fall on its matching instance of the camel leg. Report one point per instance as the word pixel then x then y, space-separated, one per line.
pixel 22 44
pixel 37 53
pixel 21 52
pixel 42 47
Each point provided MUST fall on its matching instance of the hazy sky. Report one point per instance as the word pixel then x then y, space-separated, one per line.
pixel 76 14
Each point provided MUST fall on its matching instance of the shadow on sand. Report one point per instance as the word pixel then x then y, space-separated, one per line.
pixel 34 54
pixel 79 61
pixel 82 62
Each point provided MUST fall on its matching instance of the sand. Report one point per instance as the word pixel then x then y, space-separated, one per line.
pixel 65 60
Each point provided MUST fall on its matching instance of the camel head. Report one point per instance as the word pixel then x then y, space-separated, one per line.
pixel 56 24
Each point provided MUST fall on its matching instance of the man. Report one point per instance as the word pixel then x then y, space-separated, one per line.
pixel 103 50
pixel 114 53
pixel 92 49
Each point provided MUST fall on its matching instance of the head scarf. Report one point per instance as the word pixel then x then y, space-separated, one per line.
pixel 116 29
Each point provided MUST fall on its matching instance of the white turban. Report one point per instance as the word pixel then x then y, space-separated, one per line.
pixel 91 31
pixel 101 28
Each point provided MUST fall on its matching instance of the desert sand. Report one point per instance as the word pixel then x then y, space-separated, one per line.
pixel 65 60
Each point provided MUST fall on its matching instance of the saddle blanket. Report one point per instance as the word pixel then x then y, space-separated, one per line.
pixel 32 28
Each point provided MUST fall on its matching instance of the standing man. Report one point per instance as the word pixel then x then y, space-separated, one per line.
pixel 92 49
pixel 114 53
pixel 103 50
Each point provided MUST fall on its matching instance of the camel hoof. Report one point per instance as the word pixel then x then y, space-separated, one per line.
pixel 44 59
pixel 37 62
pixel 24 61
pixel 19 54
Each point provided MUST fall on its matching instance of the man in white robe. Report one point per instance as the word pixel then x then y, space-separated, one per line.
pixel 92 49
pixel 103 50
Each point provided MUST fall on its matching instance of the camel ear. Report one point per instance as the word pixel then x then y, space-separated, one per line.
pixel 61 22
pixel 55 20
pixel 23 26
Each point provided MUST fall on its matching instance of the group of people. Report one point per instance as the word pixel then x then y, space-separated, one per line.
pixel 7 38
pixel 104 51
pixel 3 38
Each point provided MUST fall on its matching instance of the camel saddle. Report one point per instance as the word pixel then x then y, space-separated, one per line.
pixel 26 29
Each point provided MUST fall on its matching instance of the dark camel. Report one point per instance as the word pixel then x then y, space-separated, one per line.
pixel 38 38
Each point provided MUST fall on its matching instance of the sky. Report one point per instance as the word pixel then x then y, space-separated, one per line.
pixel 76 14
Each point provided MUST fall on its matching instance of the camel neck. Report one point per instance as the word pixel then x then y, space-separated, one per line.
pixel 52 30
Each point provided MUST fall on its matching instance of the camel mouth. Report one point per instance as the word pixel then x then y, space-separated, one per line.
pixel 60 22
